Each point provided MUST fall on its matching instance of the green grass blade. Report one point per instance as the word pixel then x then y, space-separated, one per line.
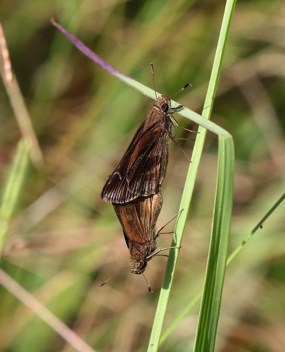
pixel 226 164
pixel 260 223
pixel 230 258
pixel 218 60
pixel 216 266
pixel 13 186
pixel 211 301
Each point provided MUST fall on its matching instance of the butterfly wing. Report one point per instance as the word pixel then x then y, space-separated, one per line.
pixel 142 168
pixel 138 219
pixel 131 224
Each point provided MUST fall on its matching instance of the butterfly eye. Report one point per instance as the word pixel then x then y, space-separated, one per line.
pixel 164 107
pixel 143 264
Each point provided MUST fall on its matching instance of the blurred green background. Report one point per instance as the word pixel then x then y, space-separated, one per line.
pixel 64 241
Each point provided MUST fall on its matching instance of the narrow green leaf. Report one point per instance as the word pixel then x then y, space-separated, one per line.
pixel 230 258
pixel 213 286
pixel 211 301
pixel 12 186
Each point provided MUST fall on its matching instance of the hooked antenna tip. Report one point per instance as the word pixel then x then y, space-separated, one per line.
pixel 187 85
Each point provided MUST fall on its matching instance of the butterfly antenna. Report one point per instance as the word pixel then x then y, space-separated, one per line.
pixel 112 277
pixel 186 85
pixel 152 71
pixel 148 286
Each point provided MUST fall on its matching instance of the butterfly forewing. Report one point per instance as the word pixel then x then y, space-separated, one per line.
pixel 142 169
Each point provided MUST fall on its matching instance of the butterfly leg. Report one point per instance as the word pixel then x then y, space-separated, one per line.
pixel 158 251
pixel 162 227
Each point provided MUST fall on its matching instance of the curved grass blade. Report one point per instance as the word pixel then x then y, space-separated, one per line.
pixel 223 196
pixel 189 114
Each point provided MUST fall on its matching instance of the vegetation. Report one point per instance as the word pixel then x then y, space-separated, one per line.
pixel 61 241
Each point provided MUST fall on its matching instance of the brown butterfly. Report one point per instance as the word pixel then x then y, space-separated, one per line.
pixel 142 169
pixel 138 219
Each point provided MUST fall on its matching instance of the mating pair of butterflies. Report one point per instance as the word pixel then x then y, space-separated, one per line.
pixel 134 186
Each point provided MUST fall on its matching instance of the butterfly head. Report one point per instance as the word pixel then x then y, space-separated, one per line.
pixel 138 267
pixel 163 103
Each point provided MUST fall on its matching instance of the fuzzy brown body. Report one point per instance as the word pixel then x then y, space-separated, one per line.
pixel 142 169
pixel 138 219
